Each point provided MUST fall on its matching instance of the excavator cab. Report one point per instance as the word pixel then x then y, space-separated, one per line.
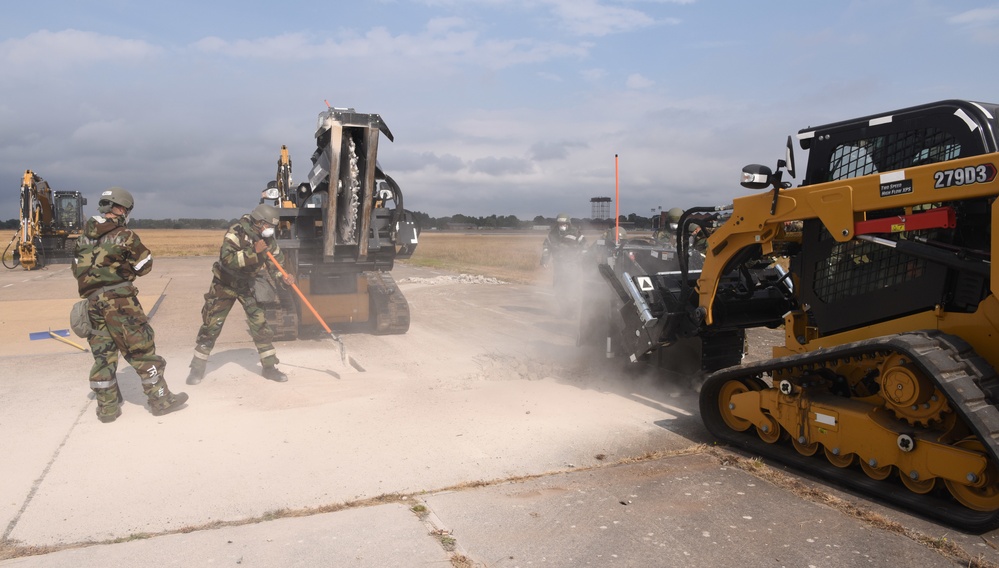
pixel 50 223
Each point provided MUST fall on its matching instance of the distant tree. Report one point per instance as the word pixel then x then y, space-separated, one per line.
pixel 423 220
pixel 180 223
pixel 510 222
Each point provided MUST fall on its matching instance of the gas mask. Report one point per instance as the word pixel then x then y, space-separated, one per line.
pixel 105 206
pixel 267 233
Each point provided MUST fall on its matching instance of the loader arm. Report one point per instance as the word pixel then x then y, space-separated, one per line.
pixel 839 205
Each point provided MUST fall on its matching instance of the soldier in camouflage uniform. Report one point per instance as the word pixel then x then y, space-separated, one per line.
pixel 108 259
pixel 242 256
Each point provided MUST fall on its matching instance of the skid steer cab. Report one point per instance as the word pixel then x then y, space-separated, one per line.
pixel 877 271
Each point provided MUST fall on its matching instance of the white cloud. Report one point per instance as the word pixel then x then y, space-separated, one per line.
pixel 981 23
pixel 593 18
pixel 580 17
pixel 638 81
pixel 976 17
pixel 494 166
pixel 443 41
pixel 45 49
pixel 544 151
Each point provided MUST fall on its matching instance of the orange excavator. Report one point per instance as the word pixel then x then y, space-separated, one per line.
pixel 50 223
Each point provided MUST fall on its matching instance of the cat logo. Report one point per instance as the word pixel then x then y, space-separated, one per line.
pixel 644 283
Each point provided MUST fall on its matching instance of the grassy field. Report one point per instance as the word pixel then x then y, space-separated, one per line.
pixel 182 242
pixel 507 256
pixel 514 257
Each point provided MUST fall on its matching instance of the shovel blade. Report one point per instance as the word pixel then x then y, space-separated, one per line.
pixel 35 335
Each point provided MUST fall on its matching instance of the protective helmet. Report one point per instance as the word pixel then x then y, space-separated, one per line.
pixel 115 196
pixel 266 213
pixel 673 215
pixel 562 218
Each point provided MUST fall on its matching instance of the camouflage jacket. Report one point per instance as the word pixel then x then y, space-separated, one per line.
pixel 107 253
pixel 238 263
pixel 558 243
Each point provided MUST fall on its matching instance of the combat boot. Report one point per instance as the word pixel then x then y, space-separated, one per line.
pixel 162 401
pixel 197 371
pixel 272 373
pixel 105 415
pixel 168 403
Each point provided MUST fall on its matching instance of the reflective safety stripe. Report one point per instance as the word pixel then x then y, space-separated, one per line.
pixel 143 262
pixel 103 384
pixel 268 353
pixel 232 238
pixel 241 259
pixel 200 355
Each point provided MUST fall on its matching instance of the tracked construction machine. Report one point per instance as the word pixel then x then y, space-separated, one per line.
pixel 341 232
pixel 50 222
pixel 878 269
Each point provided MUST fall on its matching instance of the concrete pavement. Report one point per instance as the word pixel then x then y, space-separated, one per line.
pixel 480 438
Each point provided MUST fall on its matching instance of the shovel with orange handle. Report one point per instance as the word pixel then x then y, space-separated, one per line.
pixel 336 338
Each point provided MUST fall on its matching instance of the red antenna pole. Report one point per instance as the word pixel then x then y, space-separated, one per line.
pixel 617 203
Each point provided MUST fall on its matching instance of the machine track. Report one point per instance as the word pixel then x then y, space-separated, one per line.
pixel 389 308
pixel 967 422
pixel 282 316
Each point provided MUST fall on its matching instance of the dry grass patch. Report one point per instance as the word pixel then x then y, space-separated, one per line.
pixel 514 257
pixel 182 242
pixel 162 242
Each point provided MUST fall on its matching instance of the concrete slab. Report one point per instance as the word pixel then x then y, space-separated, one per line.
pixel 487 387
pixel 683 511
pixel 384 535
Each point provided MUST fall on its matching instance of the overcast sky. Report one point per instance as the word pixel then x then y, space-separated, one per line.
pixel 512 107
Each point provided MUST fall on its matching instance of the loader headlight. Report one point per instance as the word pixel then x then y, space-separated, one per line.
pixel 272 191
pixel 755 176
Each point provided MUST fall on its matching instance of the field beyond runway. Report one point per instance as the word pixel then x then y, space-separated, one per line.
pixel 483 437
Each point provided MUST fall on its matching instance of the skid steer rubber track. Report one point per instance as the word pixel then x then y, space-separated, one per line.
pixel 281 313
pixel 389 308
pixel 966 379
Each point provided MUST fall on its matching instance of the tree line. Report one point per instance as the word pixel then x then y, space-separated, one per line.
pixel 13 224
pixel 423 220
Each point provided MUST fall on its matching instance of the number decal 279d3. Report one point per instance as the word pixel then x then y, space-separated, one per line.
pixel 967 175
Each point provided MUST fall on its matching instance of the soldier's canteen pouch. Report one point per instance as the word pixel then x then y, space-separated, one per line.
pixel 79 320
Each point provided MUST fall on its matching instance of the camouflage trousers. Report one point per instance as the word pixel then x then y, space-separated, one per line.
pixel 120 326
pixel 218 301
